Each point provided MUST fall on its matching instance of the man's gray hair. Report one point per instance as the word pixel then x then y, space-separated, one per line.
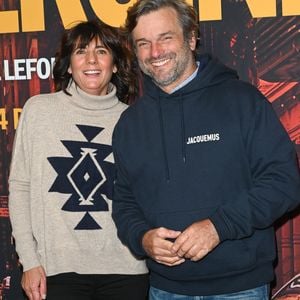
pixel 187 16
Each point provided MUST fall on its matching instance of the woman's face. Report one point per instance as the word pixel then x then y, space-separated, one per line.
pixel 91 67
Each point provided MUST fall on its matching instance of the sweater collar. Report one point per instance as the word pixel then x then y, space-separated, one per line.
pixel 92 102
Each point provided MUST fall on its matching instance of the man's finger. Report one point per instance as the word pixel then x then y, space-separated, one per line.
pixel 181 239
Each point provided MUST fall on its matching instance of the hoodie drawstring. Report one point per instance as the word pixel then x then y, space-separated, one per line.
pixel 182 130
pixel 163 141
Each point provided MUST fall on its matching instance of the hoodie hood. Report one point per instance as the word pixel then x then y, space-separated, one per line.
pixel 211 72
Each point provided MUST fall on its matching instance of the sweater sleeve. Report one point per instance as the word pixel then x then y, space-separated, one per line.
pixel 129 219
pixel 275 188
pixel 19 198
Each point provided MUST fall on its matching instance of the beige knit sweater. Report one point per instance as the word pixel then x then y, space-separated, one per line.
pixel 60 185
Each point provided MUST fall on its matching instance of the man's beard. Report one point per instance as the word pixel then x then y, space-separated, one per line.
pixel 174 73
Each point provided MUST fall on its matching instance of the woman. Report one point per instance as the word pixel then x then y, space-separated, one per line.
pixel 62 174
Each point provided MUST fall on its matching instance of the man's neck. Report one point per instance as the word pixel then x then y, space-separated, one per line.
pixel 186 80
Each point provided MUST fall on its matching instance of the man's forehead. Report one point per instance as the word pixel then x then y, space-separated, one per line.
pixel 157 23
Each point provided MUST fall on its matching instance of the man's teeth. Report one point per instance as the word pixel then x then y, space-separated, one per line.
pixel 160 63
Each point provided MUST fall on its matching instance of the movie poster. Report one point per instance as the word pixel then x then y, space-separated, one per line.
pixel 260 39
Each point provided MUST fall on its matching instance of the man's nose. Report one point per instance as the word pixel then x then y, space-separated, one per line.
pixel 156 49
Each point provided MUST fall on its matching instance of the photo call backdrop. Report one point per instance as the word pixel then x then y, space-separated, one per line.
pixel 258 38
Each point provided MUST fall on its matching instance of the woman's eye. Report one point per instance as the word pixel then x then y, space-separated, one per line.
pixel 80 51
pixel 102 51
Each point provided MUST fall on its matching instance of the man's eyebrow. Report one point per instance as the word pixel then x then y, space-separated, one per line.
pixel 141 40
pixel 166 33
pixel 159 36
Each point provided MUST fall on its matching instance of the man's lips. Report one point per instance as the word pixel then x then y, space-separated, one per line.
pixel 159 63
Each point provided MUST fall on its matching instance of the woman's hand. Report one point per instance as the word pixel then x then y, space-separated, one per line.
pixel 34 283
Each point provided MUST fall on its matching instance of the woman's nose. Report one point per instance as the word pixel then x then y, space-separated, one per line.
pixel 91 58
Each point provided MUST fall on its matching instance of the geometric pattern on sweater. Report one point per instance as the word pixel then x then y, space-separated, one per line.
pixel 86 176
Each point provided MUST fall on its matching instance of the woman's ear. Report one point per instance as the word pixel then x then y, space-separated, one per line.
pixel 115 69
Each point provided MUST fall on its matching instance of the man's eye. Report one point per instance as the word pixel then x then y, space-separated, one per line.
pixel 167 38
pixel 142 45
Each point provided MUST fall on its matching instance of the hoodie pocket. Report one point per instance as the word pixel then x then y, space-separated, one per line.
pixel 179 220
pixel 229 258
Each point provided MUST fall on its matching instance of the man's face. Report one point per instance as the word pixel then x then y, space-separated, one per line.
pixel 161 49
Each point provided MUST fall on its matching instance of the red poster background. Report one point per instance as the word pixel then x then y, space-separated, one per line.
pixel 265 52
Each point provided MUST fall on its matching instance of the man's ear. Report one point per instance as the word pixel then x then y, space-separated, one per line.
pixel 193 40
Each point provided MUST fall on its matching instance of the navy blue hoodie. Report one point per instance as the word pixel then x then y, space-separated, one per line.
pixel 213 149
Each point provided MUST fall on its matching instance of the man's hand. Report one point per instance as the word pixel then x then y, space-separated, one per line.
pixel 196 241
pixel 157 243
pixel 34 283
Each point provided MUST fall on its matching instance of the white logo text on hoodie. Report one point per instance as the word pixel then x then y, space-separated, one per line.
pixel 212 137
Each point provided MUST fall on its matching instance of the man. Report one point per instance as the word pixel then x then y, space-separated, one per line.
pixel 204 167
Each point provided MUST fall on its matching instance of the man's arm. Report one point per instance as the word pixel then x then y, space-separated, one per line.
pixel 275 190
pixel 133 229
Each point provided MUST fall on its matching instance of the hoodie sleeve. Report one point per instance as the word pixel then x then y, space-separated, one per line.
pixel 275 188
pixel 19 198
pixel 128 217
